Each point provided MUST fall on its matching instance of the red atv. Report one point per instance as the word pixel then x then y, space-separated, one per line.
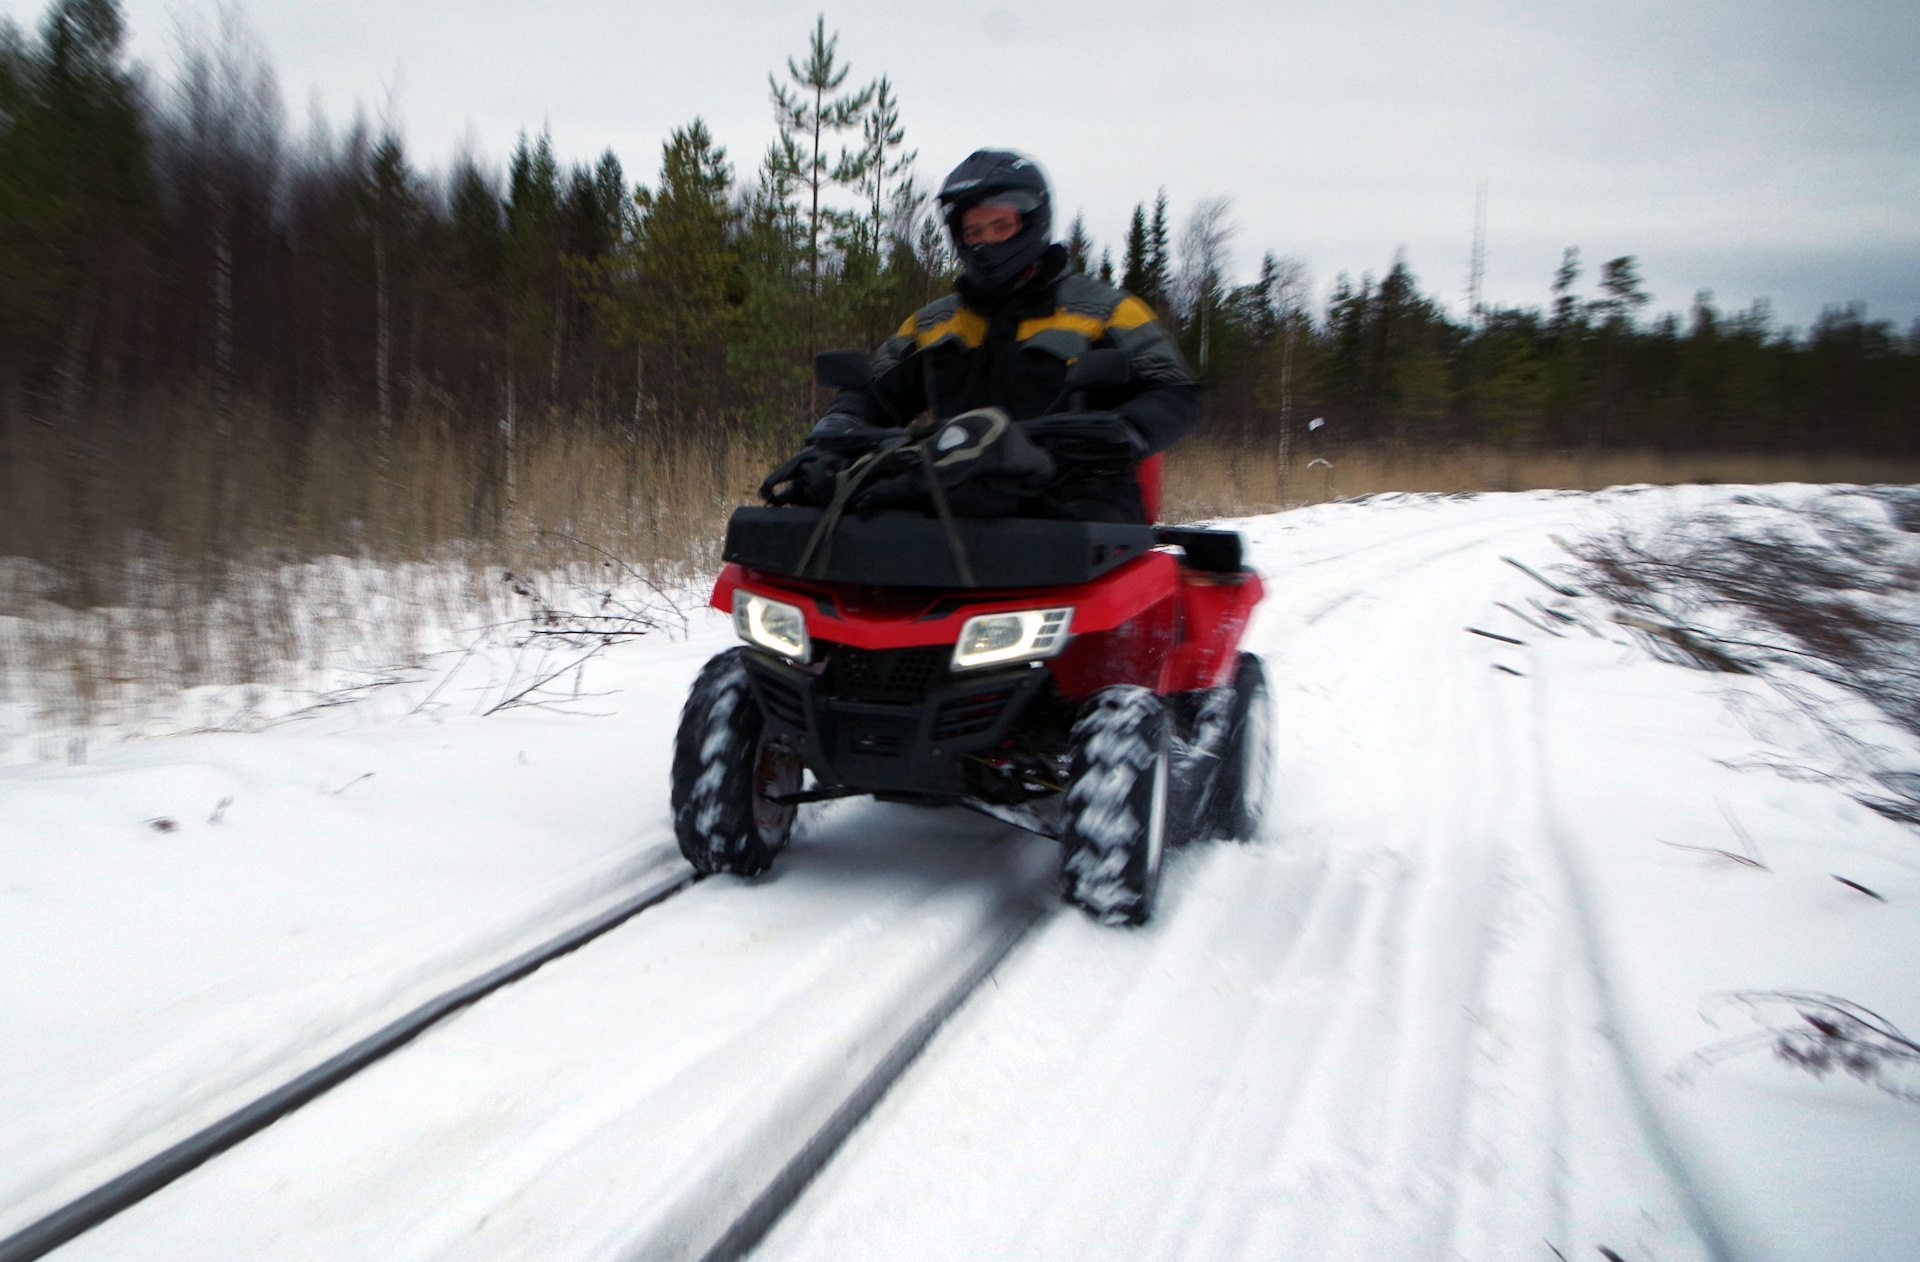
pixel 1076 679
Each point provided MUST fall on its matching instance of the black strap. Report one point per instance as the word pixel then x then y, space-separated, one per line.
pixel 818 554
pixel 945 514
pixel 847 481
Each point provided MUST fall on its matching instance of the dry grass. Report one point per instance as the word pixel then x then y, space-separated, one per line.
pixel 170 486
pixel 1214 479
pixel 185 580
pixel 164 573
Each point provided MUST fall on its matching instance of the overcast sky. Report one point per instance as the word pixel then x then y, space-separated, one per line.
pixel 1758 148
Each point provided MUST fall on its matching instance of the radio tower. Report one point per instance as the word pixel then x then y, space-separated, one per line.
pixel 1477 271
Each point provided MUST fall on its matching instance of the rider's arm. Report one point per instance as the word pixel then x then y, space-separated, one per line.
pixel 895 397
pixel 1166 399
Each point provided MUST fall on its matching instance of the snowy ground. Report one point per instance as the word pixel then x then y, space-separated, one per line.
pixel 1447 1007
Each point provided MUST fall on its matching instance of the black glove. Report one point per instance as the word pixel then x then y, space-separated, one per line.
pixel 1080 437
pixel 980 459
pixel 845 434
pixel 806 479
pixel 834 443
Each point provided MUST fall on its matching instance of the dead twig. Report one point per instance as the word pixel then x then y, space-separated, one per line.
pixel 1818 1033
pixel 1551 586
pixel 532 688
pixel 1556 614
pixel 1693 645
pixel 1739 830
pixel 1537 626
pixel 616 562
pixel 1718 853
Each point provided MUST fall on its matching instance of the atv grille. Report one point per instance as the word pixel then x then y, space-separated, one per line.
pixel 970 715
pixel 897 675
pixel 780 699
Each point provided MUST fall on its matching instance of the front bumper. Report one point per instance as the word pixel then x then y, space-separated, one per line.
pixel 891 720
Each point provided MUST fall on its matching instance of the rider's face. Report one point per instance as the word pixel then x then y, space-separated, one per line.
pixel 988 224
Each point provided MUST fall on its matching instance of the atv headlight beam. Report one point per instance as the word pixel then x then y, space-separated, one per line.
pixel 991 639
pixel 771 624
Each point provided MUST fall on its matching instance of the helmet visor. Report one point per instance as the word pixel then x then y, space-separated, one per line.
pixel 1012 198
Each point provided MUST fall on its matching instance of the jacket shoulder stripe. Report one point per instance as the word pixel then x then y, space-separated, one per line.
pixel 1131 314
pixel 962 323
pixel 1087 326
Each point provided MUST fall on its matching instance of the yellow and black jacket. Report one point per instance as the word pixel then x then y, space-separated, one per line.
pixel 971 350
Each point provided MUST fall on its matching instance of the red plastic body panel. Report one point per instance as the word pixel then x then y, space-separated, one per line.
pixel 1136 652
pixel 1216 608
pixel 1149 478
pixel 1151 622
pixel 891 618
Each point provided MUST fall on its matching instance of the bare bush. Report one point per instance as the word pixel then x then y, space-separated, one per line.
pixel 1819 1034
pixel 1827 587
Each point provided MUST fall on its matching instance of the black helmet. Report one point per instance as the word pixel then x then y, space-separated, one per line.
pixel 995 175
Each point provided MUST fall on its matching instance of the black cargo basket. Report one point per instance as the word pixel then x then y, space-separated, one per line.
pixel 909 550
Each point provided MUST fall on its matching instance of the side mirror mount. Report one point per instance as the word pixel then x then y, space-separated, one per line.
pixel 845 370
pixel 1108 366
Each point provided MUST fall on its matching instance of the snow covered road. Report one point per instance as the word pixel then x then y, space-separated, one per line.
pixel 1434 1013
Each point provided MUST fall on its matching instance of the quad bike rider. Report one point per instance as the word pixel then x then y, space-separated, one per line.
pixel 956 596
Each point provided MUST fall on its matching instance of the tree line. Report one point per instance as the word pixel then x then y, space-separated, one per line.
pixel 174 247
pixel 175 239
pixel 1387 363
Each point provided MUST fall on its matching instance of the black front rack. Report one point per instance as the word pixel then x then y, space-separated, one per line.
pixel 896 549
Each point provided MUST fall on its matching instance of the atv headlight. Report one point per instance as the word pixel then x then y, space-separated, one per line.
pixel 771 624
pixel 989 639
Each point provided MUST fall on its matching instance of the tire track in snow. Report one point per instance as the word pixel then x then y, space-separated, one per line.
pixel 1659 1158
pixel 142 1180
pixel 660 1094
pixel 1376 1157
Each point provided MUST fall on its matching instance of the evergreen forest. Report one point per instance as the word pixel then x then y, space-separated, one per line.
pixel 206 317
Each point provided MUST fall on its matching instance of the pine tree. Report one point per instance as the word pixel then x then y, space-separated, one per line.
pixel 689 266
pixel 391 205
pixel 1620 282
pixel 1159 258
pixel 1258 302
pixel 1079 247
pixel 1135 273
pixel 1566 308
pixel 880 169
pixel 533 248
pixel 1144 272
pixel 76 195
pixel 595 208
pixel 1623 297
pixel 221 152
pixel 767 356
pixel 475 227
pixel 533 193
pixel 807 117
